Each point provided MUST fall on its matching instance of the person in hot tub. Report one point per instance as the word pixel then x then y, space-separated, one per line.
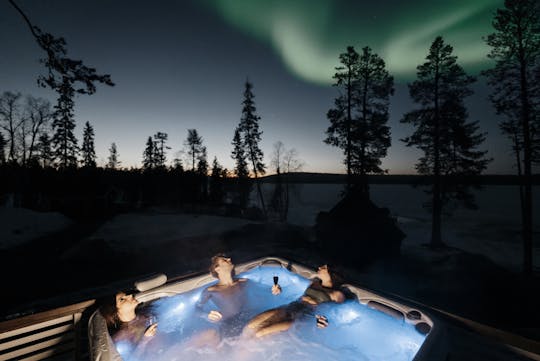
pixel 323 288
pixel 130 327
pixel 229 295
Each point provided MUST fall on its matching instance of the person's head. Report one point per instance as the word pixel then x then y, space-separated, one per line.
pixel 328 275
pixel 221 265
pixel 122 302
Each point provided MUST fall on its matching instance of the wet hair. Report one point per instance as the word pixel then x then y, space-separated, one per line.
pixel 109 312
pixel 335 275
pixel 214 263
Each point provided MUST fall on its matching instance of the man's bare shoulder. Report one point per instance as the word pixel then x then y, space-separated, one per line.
pixel 218 287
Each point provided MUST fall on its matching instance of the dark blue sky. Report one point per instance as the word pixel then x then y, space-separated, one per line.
pixel 182 64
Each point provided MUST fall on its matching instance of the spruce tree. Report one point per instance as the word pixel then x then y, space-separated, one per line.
pixel 88 151
pixel 63 141
pixel 112 161
pixel 148 155
pixel 242 182
pixel 515 48
pixel 238 154
pixel 442 132
pixel 249 128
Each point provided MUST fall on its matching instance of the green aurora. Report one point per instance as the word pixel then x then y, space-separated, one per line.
pixel 308 35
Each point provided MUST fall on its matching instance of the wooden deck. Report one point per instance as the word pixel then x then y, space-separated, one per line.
pixel 59 334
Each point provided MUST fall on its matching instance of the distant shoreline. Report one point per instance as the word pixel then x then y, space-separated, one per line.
pixel 329 178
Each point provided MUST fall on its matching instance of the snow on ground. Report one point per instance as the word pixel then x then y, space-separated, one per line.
pixel 20 225
pixel 493 230
pixel 137 230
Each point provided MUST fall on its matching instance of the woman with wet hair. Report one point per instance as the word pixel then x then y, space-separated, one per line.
pixel 130 327
pixel 323 288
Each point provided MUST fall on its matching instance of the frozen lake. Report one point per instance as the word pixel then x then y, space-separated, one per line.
pixel 492 230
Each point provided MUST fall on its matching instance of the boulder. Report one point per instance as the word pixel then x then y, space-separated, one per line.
pixel 355 230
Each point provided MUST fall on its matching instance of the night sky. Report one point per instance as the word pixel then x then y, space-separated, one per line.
pixel 182 64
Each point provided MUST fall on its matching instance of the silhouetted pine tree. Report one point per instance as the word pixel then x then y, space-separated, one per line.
pixel 238 154
pixel 112 161
pixel 448 142
pixel 44 150
pixel 340 132
pixel 2 149
pixel 67 77
pixel 358 122
pixel 249 128
pixel 194 146
pixel 160 157
pixel 88 150
pixel 64 143
pixel 148 155
pixel 515 47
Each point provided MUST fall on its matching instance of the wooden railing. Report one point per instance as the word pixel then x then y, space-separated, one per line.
pixel 57 334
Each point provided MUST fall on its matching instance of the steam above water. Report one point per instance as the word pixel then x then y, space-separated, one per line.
pixel 355 332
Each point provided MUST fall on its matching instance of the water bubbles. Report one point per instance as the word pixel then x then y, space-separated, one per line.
pixel 355 332
pixel 349 316
pixel 179 308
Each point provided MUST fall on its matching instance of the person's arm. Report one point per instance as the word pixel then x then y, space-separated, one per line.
pixel 213 316
pixel 143 342
pixel 205 296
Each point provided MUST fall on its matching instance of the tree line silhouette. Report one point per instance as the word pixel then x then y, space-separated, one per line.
pixel 37 139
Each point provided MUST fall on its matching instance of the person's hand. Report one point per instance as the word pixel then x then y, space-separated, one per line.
pixel 215 316
pixel 337 296
pixel 276 289
pixel 151 330
pixel 322 321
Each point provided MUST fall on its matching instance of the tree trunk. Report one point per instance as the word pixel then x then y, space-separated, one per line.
pixel 349 123
pixel 527 204
pixel 520 174
pixel 261 198
pixel 437 206
pixel 365 185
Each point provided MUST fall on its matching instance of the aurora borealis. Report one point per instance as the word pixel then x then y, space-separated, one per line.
pixel 307 35
pixel 181 65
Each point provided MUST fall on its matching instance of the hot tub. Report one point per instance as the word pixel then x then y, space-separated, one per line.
pixel 366 327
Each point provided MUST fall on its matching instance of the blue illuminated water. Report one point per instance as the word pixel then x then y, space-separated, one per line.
pixel 355 331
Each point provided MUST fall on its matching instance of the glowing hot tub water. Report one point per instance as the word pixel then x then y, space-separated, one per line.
pixel 355 331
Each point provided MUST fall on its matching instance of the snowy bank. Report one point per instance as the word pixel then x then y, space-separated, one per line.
pixel 20 225
pixel 140 230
